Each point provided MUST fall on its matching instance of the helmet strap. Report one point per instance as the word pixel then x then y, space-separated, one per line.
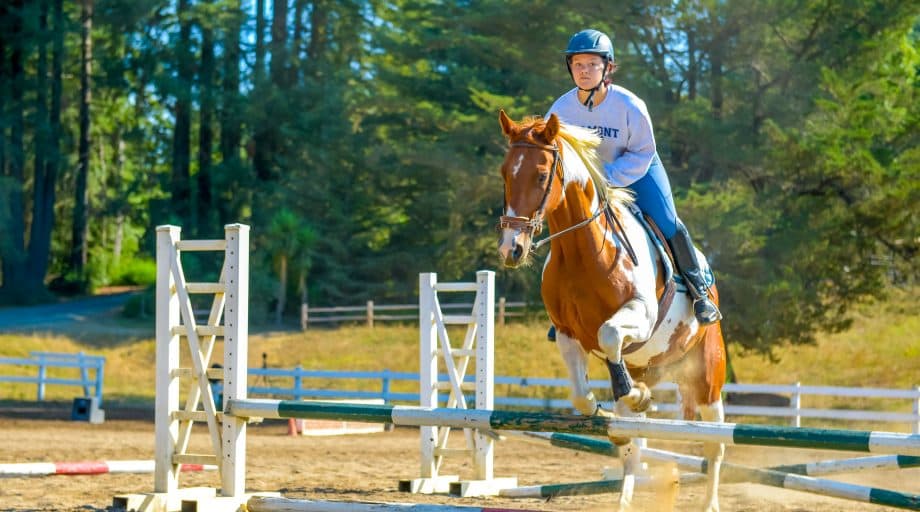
pixel 589 101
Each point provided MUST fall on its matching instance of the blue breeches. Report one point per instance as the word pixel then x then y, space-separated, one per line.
pixel 653 197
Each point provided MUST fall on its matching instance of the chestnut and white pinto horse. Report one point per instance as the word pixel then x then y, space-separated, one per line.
pixel 601 282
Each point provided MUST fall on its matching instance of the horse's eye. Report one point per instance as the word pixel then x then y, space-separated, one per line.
pixel 542 177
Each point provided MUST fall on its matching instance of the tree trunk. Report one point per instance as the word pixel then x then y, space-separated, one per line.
pixel 279 44
pixel 181 173
pixel 692 65
pixel 4 81
pixel 715 79
pixel 206 213
pixel 317 46
pixel 45 154
pixel 230 130
pixel 295 75
pixel 121 205
pixel 259 69
pixel 261 154
pixel 54 162
pixel 282 288
pixel 78 248
pixel 14 257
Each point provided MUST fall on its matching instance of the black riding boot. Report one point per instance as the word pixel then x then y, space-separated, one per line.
pixel 685 255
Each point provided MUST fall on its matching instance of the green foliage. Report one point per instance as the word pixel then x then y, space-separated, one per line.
pixel 139 271
pixel 366 148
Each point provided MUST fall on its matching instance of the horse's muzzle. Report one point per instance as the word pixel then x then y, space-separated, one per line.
pixel 513 247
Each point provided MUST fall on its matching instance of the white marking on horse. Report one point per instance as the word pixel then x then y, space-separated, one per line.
pixel 517 165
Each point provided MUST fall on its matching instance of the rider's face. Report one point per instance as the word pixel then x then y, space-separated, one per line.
pixel 587 69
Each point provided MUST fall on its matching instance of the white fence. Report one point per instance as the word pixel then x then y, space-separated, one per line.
pixel 371 312
pixel 290 383
pixel 45 360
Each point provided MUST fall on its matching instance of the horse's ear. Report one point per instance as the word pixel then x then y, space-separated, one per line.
pixel 552 127
pixel 508 127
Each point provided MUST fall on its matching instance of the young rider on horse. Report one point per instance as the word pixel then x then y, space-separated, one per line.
pixel 628 150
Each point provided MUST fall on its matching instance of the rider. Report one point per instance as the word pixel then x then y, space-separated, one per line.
pixel 628 150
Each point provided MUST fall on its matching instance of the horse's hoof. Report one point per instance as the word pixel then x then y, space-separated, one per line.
pixel 644 400
pixel 604 413
pixel 619 441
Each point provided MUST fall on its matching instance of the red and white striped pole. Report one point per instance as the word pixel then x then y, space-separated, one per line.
pixel 89 468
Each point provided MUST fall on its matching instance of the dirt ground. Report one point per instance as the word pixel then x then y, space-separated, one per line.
pixel 367 467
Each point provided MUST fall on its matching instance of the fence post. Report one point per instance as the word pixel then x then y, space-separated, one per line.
pixel 370 313
pixel 42 375
pixel 304 316
pixel 501 311
pixel 916 425
pixel 100 366
pixel 84 372
pixel 385 385
pixel 797 404
pixel 298 382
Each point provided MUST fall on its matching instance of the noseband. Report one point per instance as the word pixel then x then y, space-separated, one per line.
pixel 533 225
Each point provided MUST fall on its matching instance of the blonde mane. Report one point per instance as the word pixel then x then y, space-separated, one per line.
pixel 584 143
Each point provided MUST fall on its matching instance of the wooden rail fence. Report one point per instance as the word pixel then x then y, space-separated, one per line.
pixel 371 312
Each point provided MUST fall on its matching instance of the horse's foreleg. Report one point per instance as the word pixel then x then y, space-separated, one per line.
pixel 632 322
pixel 714 452
pixel 576 361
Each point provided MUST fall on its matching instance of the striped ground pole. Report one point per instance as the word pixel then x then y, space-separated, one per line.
pixel 727 433
pixel 784 480
pixel 826 467
pixel 771 477
pixel 787 477
pixel 259 504
pixel 97 467
pixel 584 488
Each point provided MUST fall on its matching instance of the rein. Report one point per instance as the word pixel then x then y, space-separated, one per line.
pixel 539 243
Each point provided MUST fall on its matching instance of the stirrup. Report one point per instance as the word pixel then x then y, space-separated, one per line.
pixel 705 311
pixel 551 333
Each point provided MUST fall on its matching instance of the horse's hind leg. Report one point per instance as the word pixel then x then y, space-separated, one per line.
pixel 630 458
pixel 714 453
pixel 700 381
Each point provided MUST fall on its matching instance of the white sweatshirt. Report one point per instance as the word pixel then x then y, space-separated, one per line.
pixel 622 121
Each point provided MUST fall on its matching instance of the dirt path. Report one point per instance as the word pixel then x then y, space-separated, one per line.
pixel 61 315
pixel 367 468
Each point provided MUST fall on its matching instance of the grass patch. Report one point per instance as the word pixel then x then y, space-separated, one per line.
pixel 880 350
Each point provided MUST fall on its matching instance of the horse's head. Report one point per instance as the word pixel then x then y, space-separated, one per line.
pixel 533 183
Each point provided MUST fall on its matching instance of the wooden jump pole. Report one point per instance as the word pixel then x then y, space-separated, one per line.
pixel 727 433
pixel 258 504
pixel 89 467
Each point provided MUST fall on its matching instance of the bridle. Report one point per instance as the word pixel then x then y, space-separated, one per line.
pixel 534 225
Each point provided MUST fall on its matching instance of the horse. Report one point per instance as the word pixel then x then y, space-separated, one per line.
pixel 601 281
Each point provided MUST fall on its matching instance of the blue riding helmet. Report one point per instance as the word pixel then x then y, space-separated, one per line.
pixel 594 42
pixel 590 41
